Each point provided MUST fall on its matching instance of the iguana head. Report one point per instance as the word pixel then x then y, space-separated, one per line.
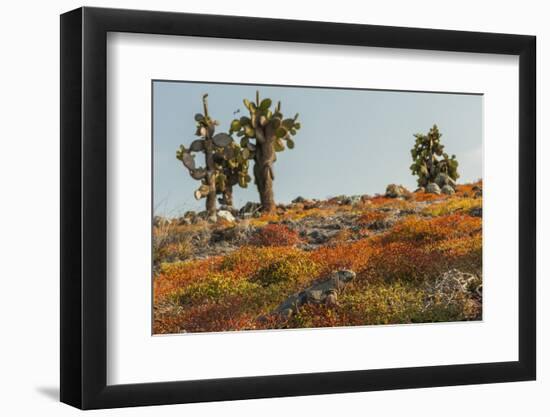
pixel 346 275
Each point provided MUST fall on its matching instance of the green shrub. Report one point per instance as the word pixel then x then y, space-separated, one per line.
pixel 212 289
pixel 290 270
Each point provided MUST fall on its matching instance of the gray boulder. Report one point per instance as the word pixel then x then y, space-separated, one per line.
pixel 230 209
pixel 298 199
pixel 184 221
pixel 161 221
pixel 382 224
pixel 202 215
pixel 318 237
pixel 443 179
pixel 235 234
pixel 447 189
pixel 433 188
pixel 311 204
pixel 331 226
pixel 189 217
pixel 226 215
pixel 476 212
pixel 352 200
pixel 250 209
pixel 396 191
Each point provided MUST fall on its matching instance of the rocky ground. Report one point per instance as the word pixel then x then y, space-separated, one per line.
pixel 423 249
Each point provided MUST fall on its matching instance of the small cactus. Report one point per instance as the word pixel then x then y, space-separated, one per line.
pixel 264 133
pixel 430 161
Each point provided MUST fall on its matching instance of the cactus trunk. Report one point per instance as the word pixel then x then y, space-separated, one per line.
pixel 209 159
pixel 210 178
pixel 263 174
pixel 228 196
pixel 211 205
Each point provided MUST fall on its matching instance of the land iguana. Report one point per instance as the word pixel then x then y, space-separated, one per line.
pixel 324 291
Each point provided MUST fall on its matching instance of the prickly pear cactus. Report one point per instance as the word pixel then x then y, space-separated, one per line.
pixel 213 147
pixel 430 160
pixel 264 133
pixel 232 164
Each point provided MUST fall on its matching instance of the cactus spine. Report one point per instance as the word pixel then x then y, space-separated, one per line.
pixel 263 134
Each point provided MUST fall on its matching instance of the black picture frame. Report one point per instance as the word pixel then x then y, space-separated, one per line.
pixel 84 207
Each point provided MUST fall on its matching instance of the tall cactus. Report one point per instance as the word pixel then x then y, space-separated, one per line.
pixel 270 131
pixel 425 153
pixel 210 145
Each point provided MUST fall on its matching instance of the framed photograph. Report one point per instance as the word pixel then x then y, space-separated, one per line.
pixel 257 208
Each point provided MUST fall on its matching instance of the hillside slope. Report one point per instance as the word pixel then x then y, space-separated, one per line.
pixel 415 258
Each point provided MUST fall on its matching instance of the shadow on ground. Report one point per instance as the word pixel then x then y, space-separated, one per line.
pixel 50 392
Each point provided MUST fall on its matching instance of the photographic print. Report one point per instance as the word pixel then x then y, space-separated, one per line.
pixel 290 207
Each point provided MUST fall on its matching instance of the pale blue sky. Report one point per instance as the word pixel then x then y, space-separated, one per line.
pixel 351 141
